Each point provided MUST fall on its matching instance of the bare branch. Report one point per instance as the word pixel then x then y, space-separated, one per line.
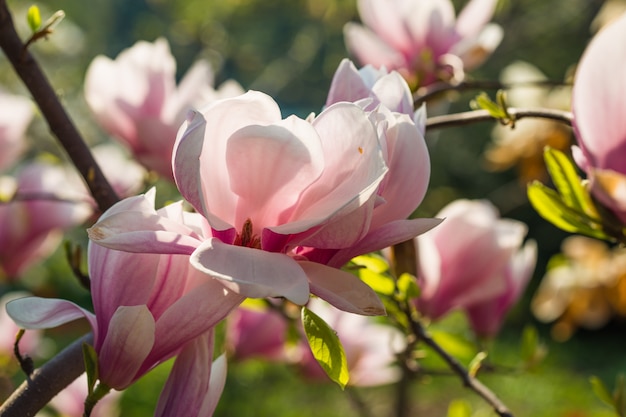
pixel 469 117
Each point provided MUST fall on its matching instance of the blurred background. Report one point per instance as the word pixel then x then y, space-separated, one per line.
pixel 290 50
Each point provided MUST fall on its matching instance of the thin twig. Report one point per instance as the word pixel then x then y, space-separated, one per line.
pixel 59 122
pixel 468 381
pixel 428 92
pixel 47 381
pixel 474 116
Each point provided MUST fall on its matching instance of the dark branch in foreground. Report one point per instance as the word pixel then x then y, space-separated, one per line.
pixel 469 117
pixel 47 381
pixel 58 120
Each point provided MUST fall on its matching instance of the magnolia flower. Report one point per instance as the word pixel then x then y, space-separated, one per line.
pixel 598 106
pixel 36 208
pixel 15 115
pixel 473 260
pixel 266 186
pixel 148 308
pixel 135 99
pixel 421 38
pixel 388 102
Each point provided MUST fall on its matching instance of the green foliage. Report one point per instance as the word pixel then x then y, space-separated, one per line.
pixel 326 347
pixel 570 207
pixel 617 399
pixel 373 271
pixel 532 350
pixel 497 110
pixel 33 17
pixel 91 366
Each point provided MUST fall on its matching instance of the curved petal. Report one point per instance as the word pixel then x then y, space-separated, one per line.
pixel 394 93
pixel 474 16
pixel 387 19
pixel 598 100
pixel 46 313
pixel 342 289
pixel 347 84
pixel 368 48
pixel 189 380
pixel 252 272
pixel 128 341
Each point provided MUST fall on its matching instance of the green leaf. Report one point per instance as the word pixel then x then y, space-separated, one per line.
pixel 326 347
pixel 476 363
pixel 549 204
pixel 373 273
pixel 482 101
pixel 459 408
pixel 90 356
pixel 601 391
pixel 407 287
pixel 34 18
pixel 568 183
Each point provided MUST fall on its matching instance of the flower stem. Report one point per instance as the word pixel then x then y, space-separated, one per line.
pixel 469 117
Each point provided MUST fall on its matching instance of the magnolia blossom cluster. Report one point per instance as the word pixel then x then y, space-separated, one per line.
pixel 422 39
pixel 279 204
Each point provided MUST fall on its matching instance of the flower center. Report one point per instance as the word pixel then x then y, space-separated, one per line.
pixel 247 238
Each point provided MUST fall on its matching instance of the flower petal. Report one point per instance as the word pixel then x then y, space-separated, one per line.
pixel 252 272
pixel 342 289
pixel 46 313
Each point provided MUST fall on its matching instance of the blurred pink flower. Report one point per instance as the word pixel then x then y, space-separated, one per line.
pixel 71 401
pixel 29 343
pixel 599 105
pixel 266 185
pixel 473 260
pixel 15 114
pixel 35 210
pixel 256 333
pixel 148 307
pixel 370 347
pixel 135 99
pixel 422 39
pixel 388 102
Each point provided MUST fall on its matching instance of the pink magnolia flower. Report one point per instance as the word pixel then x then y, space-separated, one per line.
pixel 15 115
pixel 598 105
pixel 135 99
pixel 370 348
pixel 472 260
pixel 422 39
pixel 256 333
pixel 267 185
pixel 148 308
pixel 35 209
pixel 387 100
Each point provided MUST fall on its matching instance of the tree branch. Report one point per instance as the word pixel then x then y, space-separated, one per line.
pixel 59 122
pixel 469 117
pixel 47 381
pixel 468 380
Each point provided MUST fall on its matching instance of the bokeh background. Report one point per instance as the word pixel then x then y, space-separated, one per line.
pixel 290 50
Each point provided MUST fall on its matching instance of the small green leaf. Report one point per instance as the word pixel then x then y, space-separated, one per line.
pixel 90 356
pixel 482 101
pixel 476 363
pixel 326 347
pixel 372 271
pixel 568 183
pixel 459 408
pixel 407 287
pixel 372 262
pixel 34 18
pixel 601 391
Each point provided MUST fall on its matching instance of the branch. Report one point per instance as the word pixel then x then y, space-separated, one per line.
pixel 424 94
pixel 468 380
pixel 59 122
pixel 465 118
pixel 47 381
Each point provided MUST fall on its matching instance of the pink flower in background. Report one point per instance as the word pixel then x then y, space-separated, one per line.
pixel 370 348
pixel 422 39
pixel 148 308
pixel 124 174
pixel 472 260
pixel 599 105
pixel 387 99
pixel 36 208
pixel 29 343
pixel 135 99
pixel 266 185
pixel 15 115
pixel 71 401
pixel 256 333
